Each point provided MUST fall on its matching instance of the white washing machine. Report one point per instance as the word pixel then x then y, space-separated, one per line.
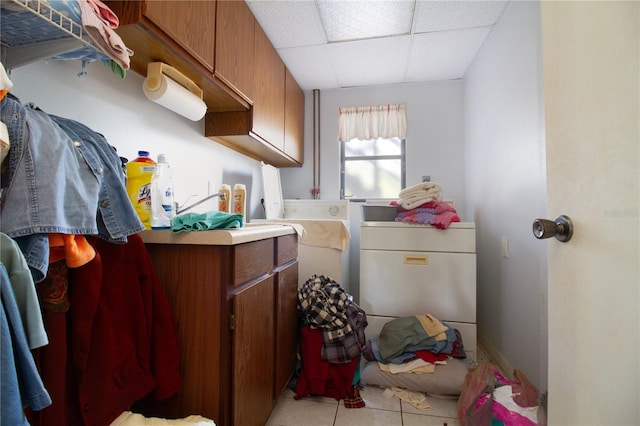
pixel 324 247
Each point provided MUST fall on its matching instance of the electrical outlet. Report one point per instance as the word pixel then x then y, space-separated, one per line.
pixel 426 178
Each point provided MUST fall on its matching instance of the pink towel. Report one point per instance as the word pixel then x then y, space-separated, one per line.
pixel 107 39
pixel 435 213
pixel 103 12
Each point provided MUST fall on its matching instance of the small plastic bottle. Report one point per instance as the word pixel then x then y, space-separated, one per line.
pixel 223 205
pixel 139 173
pixel 240 199
pixel 163 208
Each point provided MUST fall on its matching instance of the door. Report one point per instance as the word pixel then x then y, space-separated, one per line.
pixel 253 354
pixel 190 24
pixel 591 73
pixel 286 327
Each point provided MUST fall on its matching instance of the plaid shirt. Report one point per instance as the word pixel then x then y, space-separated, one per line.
pixel 349 347
pixel 326 305
pixel 324 302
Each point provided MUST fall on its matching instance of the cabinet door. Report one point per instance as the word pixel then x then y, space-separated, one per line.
pixel 235 46
pixel 268 105
pixel 286 326
pixel 294 119
pixel 190 23
pixel 253 353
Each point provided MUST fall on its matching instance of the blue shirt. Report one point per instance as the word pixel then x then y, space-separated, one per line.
pixel 21 385
pixel 62 177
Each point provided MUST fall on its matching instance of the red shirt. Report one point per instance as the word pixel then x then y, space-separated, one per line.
pixel 120 334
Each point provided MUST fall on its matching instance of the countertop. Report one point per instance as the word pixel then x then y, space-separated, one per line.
pixel 221 237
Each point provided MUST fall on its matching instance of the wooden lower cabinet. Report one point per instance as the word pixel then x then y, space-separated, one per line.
pixel 286 326
pixel 235 312
pixel 253 362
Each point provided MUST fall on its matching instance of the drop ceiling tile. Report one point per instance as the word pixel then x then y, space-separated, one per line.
pixel 310 66
pixel 370 62
pixel 447 15
pixel 444 55
pixel 289 23
pixel 348 20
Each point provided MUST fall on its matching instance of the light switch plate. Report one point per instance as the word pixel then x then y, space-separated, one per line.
pixel 505 247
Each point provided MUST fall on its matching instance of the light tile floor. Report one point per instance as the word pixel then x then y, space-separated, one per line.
pixel 379 410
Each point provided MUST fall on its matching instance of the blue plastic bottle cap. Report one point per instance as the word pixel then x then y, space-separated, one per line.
pixel 143 153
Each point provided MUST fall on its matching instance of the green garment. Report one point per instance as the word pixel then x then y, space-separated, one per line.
pixel 205 221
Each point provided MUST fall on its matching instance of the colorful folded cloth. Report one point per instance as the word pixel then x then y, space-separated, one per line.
pixel 436 213
pixel 205 221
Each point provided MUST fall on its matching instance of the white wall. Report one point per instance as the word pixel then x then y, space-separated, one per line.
pixel 506 187
pixel 118 109
pixel 434 146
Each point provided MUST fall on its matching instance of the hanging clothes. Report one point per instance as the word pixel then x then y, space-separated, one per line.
pixel 115 345
pixel 21 385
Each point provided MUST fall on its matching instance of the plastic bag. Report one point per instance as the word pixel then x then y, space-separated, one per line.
pixel 488 398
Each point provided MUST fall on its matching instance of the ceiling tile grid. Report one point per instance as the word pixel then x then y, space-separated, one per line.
pixel 437 42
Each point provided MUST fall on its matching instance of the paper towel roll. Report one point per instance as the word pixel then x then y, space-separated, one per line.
pixel 175 97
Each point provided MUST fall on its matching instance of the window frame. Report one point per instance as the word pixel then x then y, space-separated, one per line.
pixel 403 166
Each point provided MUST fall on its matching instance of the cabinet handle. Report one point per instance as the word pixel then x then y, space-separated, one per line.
pixel 415 260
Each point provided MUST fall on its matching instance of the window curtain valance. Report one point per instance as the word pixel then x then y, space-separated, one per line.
pixel 372 122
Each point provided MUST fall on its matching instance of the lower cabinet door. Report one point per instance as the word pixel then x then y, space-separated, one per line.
pixel 286 326
pixel 253 353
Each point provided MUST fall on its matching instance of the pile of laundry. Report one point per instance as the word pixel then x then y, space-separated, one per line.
pixel 414 344
pixel 332 329
pixel 422 204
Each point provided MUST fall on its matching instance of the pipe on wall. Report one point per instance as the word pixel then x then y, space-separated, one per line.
pixel 315 189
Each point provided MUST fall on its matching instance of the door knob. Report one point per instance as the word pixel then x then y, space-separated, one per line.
pixel 561 228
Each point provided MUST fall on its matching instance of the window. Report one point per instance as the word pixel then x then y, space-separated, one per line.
pixel 373 168
pixel 372 151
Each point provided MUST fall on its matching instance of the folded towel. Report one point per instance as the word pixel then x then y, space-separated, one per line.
pixel 128 418
pixel 414 201
pixel 419 194
pixel 435 213
pixel 418 188
pixel 105 37
pixel 103 12
pixel 205 221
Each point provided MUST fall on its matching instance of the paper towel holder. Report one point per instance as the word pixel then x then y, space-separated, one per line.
pixel 154 77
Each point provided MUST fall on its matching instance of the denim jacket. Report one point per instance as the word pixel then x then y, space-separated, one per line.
pixel 59 180
pixel 116 216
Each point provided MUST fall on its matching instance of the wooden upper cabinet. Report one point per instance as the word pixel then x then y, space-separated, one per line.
pixel 234 51
pixel 269 92
pixel 294 119
pixel 178 33
pixel 192 24
pixel 253 105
